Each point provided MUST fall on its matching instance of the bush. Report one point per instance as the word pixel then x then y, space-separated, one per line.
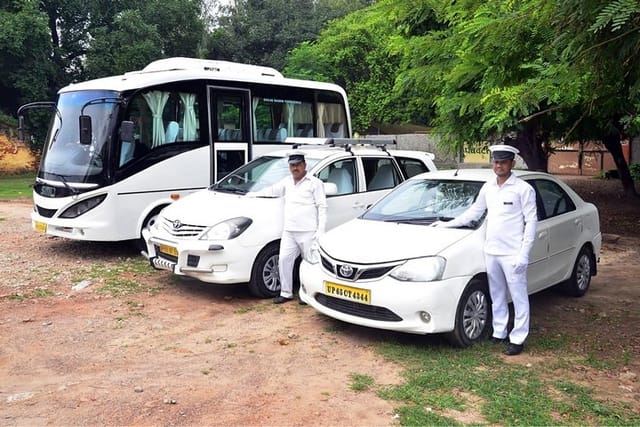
pixel 634 168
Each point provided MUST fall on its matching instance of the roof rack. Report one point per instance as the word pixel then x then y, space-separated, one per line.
pixel 346 143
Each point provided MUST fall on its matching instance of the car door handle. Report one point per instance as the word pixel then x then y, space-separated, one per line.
pixel 542 234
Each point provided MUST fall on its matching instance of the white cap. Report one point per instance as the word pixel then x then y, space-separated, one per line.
pixel 503 152
pixel 296 157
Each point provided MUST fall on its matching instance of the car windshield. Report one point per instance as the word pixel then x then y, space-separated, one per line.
pixel 423 201
pixel 64 157
pixel 257 175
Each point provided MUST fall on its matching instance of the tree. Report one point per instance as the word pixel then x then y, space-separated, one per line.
pixel 360 53
pixel 263 32
pixel 25 70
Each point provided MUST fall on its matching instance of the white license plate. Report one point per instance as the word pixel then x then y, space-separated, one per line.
pixel 349 293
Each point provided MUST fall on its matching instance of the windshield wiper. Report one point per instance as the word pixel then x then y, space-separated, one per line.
pixel 66 184
pixel 424 220
pixel 234 190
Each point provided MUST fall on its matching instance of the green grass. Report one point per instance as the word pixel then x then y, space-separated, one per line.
pixel 440 380
pixel 16 186
pixel 36 293
pixel 119 279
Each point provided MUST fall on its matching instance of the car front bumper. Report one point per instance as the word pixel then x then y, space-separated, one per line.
pixel 412 307
pixel 226 262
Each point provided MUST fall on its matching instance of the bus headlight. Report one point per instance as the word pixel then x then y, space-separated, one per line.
pixel 82 206
pixel 426 269
pixel 227 230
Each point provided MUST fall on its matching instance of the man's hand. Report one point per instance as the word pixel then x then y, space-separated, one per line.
pixel 521 264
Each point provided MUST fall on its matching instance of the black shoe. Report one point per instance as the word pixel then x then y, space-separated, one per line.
pixel 301 302
pixel 513 349
pixel 496 340
pixel 280 299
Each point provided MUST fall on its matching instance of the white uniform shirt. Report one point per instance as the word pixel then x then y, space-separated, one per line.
pixel 305 204
pixel 511 216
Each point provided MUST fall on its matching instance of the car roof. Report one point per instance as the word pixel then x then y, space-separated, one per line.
pixel 475 174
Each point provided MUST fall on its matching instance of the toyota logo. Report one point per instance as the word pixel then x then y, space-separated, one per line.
pixel 346 270
pixel 177 224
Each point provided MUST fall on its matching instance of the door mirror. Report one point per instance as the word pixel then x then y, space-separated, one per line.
pixel 85 130
pixel 126 131
pixel 330 189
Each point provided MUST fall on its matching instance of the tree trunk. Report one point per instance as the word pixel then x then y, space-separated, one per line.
pixel 612 142
pixel 532 145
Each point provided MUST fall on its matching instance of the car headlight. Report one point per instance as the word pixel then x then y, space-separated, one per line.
pixel 227 230
pixel 426 269
pixel 82 206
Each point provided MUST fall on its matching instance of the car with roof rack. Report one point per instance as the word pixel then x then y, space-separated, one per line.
pixel 230 233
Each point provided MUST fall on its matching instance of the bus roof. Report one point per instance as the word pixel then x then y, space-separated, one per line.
pixel 180 69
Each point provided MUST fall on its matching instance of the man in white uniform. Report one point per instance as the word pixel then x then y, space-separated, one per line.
pixel 510 203
pixel 305 217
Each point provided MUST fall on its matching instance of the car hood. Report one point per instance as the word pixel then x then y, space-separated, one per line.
pixel 206 207
pixel 366 241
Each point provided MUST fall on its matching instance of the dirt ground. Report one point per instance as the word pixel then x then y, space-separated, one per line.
pixel 185 353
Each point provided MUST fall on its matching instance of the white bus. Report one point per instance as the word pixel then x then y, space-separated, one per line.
pixel 121 148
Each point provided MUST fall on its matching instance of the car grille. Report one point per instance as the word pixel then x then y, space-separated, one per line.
pixel 353 272
pixel 47 213
pixel 372 312
pixel 180 230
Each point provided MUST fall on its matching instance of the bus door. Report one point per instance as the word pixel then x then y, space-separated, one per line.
pixel 229 110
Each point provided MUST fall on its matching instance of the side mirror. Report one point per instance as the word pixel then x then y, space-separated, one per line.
pixel 85 130
pixel 126 131
pixel 330 189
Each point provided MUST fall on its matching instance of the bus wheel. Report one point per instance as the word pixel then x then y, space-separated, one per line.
pixel 153 216
pixel 265 278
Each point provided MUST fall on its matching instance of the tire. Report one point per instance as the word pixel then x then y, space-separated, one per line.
pixel 473 315
pixel 580 280
pixel 265 278
pixel 139 243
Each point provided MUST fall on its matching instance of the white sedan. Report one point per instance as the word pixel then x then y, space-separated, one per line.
pixel 230 234
pixel 388 269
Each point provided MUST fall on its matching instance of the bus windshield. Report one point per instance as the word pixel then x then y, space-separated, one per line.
pixel 63 156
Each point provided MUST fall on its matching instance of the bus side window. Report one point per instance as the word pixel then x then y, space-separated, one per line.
pixel 160 118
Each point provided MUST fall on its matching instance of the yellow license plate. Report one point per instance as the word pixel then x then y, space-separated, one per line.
pixel 362 296
pixel 169 250
pixel 40 226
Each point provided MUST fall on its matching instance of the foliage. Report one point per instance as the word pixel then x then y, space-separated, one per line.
pixel 24 54
pixel 359 52
pixel 263 32
pixel 635 171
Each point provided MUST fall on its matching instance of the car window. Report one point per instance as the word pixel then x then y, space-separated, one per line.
pixel 380 173
pixel 411 167
pixel 551 198
pixel 343 174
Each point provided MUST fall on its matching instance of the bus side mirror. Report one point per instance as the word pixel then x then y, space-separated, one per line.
pixel 20 127
pixel 85 130
pixel 126 131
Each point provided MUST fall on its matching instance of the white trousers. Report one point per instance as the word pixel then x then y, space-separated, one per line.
pixel 502 278
pixel 292 244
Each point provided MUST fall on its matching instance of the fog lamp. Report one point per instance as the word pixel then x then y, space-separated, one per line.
pixel 425 317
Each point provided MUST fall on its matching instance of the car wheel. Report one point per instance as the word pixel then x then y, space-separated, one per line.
pixel 580 279
pixel 473 315
pixel 265 278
